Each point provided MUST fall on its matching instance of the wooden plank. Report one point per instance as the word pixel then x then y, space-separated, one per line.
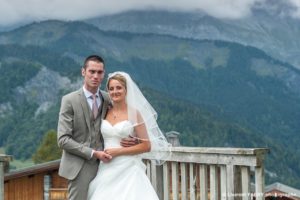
pixel 159 180
pixel 192 182
pixel 203 182
pixel 221 150
pixel 1 180
pixel 259 182
pixel 19 189
pixel 175 192
pixel 25 188
pixel 216 159
pixel 148 170
pixel 166 180
pixel 30 189
pixel 245 183
pixel 237 183
pixel 36 169
pixel 58 194
pixel 6 190
pixel 153 175
pixel 38 186
pixel 58 181
pixel 184 184
pixel 218 156
pixel 11 190
pixel 230 182
pixel 223 182
pixel 213 182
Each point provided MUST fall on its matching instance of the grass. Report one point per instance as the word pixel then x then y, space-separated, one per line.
pixel 2 151
pixel 18 164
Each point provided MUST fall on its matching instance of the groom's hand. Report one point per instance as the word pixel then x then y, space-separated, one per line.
pixel 101 155
pixel 128 142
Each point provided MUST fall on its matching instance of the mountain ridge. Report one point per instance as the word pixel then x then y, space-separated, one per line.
pixel 240 86
pixel 262 29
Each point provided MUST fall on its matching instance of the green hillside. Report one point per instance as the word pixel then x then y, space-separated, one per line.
pixel 214 93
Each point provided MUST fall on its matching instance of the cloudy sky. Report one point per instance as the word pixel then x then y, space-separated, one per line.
pixel 20 11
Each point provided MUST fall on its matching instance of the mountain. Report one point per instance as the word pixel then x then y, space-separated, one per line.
pixel 215 93
pixel 270 31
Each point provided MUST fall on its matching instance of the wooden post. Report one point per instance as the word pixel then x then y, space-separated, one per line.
pixel 1 180
pixel 203 182
pixel 157 178
pixel 213 182
pixel 192 182
pixel 237 183
pixel 183 178
pixel 259 182
pixel 246 183
pixel 223 182
pixel 166 178
pixel 230 182
pixel 47 186
pixel 4 159
pixel 175 192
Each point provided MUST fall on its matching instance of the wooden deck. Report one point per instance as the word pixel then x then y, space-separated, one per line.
pixel 189 173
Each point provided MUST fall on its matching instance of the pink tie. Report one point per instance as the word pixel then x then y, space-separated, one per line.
pixel 94 106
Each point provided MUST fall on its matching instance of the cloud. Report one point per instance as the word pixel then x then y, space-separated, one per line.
pixel 296 6
pixel 280 8
pixel 18 11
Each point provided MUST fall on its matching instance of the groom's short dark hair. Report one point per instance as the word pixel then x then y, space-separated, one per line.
pixel 95 58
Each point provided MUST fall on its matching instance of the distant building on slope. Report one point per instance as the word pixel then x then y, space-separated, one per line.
pixel 173 138
pixel 279 191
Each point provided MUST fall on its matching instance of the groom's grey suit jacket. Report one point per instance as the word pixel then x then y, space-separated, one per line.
pixel 78 133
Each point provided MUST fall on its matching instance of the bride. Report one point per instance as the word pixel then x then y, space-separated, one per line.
pixel 124 178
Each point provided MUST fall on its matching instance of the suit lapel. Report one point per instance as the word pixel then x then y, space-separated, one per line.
pixel 85 108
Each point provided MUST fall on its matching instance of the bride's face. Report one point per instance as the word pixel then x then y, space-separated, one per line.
pixel 116 90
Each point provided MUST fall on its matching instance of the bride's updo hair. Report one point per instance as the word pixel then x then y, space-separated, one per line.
pixel 119 78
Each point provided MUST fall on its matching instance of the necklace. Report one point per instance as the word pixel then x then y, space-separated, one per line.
pixel 114 115
pixel 117 113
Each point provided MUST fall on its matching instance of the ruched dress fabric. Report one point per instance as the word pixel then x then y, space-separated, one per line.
pixel 124 177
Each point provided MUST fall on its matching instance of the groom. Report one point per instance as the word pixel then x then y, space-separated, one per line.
pixel 78 131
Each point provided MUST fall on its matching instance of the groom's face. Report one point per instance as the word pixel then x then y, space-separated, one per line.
pixel 93 75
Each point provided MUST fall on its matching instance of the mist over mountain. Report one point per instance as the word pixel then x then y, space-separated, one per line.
pixel 271 30
pixel 215 93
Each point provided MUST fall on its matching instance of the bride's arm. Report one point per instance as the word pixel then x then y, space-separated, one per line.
pixel 142 147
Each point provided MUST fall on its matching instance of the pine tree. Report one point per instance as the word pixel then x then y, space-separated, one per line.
pixel 48 149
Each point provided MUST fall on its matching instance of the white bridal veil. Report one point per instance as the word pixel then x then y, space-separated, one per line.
pixel 137 105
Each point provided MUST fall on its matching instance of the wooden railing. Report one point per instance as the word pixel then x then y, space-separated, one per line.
pixel 191 173
pixel 4 160
pixel 210 174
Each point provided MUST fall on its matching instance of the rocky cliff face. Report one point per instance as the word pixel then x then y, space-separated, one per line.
pixel 42 90
pixel 266 30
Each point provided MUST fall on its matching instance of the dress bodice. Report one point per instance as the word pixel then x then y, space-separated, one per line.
pixel 112 134
pixel 123 177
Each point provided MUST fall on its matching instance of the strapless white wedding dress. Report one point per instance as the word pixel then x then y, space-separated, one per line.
pixel 124 177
